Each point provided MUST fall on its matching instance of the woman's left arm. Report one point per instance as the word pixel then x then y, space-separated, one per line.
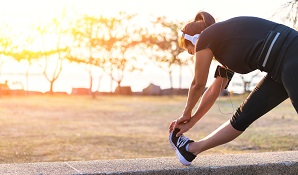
pixel 202 65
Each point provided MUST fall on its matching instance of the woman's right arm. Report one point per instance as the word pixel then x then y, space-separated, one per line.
pixel 207 100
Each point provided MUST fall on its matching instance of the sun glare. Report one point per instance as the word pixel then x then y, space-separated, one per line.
pixel 24 12
pixel 19 19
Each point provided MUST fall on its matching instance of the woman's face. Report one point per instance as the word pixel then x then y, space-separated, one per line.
pixel 190 49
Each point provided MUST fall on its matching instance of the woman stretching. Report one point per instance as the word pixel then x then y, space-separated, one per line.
pixel 241 45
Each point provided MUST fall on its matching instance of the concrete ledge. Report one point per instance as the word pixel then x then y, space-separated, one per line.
pixel 275 163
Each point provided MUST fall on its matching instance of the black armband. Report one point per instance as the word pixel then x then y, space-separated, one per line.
pixel 224 73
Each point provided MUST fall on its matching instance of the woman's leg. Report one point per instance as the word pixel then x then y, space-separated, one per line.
pixel 289 73
pixel 265 97
pixel 225 133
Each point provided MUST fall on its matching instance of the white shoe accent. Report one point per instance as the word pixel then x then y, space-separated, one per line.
pixel 180 157
pixel 181 141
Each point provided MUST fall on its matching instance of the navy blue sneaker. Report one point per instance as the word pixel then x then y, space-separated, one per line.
pixel 179 144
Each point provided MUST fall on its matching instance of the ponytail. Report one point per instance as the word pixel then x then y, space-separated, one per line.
pixel 205 17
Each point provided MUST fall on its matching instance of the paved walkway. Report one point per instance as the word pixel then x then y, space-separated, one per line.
pixel 258 163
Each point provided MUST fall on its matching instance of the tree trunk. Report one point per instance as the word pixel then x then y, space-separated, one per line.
pixel 51 87
pixel 180 76
pixel 90 83
pixel 27 80
pixel 171 83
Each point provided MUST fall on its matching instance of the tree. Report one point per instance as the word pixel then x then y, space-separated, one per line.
pixel 166 50
pixel 28 56
pixel 6 44
pixel 288 13
pixel 19 49
pixel 86 49
pixel 119 38
pixel 54 48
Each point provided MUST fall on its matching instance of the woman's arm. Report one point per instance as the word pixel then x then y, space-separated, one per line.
pixel 209 98
pixel 206 103
pixel 202 65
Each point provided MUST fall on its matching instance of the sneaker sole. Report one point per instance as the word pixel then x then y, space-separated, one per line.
pixel 180 157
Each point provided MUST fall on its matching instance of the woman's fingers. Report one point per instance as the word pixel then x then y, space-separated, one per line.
pixel 180 124
pixel 179 133
pixel 172 126
pixel 183 127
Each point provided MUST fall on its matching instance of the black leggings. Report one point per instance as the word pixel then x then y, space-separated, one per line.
pixel 268 93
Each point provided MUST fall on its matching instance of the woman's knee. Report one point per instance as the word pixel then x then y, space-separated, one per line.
pixel 238 121
pixel 290 80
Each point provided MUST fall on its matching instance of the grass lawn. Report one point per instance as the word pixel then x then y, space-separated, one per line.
pixel 71 128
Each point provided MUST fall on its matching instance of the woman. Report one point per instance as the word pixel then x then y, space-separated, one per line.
pixel 241 45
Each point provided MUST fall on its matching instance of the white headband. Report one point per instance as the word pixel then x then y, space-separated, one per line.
pixel 192 39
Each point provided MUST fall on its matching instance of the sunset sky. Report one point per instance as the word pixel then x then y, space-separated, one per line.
pixel 32 10
pixel 22 13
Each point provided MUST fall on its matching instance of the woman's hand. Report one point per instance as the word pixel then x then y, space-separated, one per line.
pixel 184 127
pixel 172 126
pixel 181 120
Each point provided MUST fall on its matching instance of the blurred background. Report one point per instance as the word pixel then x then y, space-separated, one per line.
pixel 107 46
pixel 127 47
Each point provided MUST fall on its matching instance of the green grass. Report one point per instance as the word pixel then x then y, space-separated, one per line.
pixel 70 128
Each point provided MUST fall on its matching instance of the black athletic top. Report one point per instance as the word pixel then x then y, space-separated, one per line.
pixel 237 42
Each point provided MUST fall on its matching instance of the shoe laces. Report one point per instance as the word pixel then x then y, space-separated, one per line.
pixel 181 141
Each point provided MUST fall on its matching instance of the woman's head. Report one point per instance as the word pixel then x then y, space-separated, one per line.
pixel 201 22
